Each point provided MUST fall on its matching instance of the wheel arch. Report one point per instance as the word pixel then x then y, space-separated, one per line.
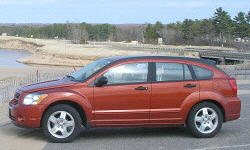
pixel 210 101
pixel 75 105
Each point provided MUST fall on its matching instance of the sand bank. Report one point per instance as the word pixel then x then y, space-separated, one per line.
pixel 63 52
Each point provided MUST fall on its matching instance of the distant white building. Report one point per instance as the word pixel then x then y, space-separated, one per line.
pixel 4 34
pixel 242 40
pixel 134 42
pixel 160 41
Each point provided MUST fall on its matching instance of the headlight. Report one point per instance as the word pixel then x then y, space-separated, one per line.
pixel 34 98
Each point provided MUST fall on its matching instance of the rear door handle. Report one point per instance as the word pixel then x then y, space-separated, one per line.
pixel 141 88
pixel 189 85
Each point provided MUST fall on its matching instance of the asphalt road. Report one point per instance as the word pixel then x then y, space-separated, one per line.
pixel 234 135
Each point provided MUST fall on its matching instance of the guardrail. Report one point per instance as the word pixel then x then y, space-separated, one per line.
pixel 241 72
pixel 207 53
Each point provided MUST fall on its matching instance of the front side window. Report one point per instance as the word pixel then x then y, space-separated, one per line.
pixel 202 73
pixel 169 72
pixel 127 73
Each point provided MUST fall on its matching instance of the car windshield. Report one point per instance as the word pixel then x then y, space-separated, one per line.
pixel 85 72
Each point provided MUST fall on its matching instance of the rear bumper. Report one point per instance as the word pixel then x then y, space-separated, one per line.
pixel 233 108
pixel 26 116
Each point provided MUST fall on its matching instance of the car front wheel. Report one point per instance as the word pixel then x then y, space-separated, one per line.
pixel 61 123
pixel 205 120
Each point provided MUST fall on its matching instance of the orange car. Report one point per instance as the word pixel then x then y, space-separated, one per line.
pixel 130 91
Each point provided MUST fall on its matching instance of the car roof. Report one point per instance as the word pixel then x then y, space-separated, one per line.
pixel 203 61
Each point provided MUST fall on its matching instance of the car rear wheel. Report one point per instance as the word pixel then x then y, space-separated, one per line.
pixel 205 120
pixel 61 123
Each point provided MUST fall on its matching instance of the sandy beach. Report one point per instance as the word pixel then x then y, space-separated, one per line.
pixel 8 73
pixel 63 52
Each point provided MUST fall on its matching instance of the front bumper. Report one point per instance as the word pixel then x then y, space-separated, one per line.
pixel 26 115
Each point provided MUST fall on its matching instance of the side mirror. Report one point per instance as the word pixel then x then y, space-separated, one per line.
pixel 101 81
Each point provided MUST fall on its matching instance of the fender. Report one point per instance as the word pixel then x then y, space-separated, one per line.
pixel 56 95
pixel 187 104
pixel 217 97
pixel 198 97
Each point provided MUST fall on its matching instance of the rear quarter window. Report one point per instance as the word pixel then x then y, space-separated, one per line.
pixel 202 73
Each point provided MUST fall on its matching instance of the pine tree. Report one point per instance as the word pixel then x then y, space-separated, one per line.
pixel 223 23
pixel 241 25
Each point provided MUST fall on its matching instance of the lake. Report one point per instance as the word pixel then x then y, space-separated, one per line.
pixel 9 57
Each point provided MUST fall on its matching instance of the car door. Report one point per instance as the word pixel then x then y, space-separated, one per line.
pixel 125 99
pixel 173 83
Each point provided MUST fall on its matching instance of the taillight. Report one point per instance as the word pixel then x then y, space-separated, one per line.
pixel 233 84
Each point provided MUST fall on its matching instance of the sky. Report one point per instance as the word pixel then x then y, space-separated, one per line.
pixel 114 11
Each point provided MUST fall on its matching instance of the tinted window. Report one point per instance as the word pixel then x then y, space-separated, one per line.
pixel 169 72
pixel 187 73
pixel 128 73
pixel 202 73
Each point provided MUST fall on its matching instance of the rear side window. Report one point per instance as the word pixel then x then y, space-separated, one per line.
pixel 202 73
pixel 172 72
pixel 169 72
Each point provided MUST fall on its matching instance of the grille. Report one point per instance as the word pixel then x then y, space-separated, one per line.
pixel 16 98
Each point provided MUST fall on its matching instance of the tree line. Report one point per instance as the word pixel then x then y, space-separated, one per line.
pixel 78 33
pixel 220 30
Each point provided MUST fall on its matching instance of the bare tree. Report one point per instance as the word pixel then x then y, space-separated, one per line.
pixel 170 35
pixel 129 33
pixel 77 33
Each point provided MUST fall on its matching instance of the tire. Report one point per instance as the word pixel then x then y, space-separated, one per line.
pixel 61 123
pixel 202 125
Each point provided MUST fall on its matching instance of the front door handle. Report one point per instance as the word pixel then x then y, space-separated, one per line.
pixel 141 88
pixel 189 85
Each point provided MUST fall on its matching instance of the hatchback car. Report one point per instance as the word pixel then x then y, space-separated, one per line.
pixel 130 91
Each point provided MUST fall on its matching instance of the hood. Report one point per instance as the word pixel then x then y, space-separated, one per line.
pixel 47 85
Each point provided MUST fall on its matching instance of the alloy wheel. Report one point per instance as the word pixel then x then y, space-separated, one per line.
pixel 61 124
pixel 206 120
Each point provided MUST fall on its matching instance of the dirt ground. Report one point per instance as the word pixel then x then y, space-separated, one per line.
pixel 8 73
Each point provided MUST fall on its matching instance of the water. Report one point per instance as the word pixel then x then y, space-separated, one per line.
pixel 9 57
